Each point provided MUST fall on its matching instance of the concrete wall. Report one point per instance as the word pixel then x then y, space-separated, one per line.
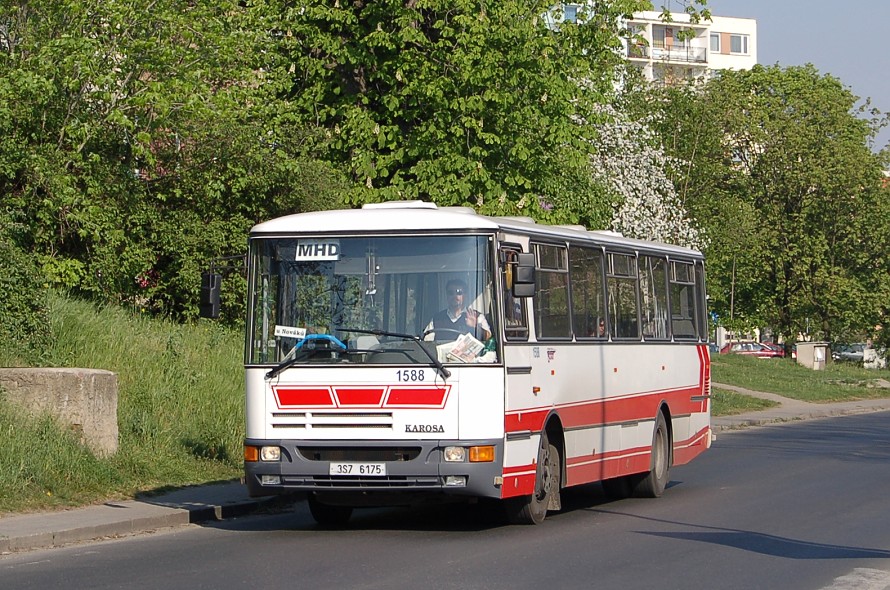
pixel 85 400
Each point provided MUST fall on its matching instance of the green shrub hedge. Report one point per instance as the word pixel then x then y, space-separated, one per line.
pixel 24 321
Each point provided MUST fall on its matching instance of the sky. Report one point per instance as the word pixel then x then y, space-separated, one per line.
pixel 843 38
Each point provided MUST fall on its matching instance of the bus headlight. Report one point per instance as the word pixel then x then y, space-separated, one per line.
pixel 455 454
pixel 270 453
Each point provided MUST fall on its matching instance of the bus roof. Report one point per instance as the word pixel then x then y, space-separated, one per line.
pixel 411 216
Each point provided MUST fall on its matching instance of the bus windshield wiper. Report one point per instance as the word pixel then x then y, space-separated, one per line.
pixel 291 360
pixel 413 337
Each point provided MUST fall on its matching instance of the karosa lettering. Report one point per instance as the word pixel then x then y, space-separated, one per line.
pixel 424 428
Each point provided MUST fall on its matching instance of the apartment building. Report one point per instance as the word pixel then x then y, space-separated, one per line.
pixel 671 51
pixel 667 52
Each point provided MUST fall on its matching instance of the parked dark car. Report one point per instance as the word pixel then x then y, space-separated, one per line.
pixel 756 349
pixel 852 353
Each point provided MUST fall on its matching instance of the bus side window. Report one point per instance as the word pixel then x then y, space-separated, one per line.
pixel 588 300
pixel 621 280
pixel 653 297
pixel 683 301
pixel 515 318
pixel 552 314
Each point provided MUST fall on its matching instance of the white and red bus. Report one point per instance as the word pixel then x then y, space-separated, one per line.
pixel 585 360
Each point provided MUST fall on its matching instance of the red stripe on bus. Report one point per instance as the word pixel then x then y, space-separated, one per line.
pixel 596 467
pixel 608 411
pixel 359 396
pixel 519 480
pixel 514 469
pixel 525 420
pixel 303 396
pixel 518 485
pixel 590 468
pixel 417 396
pixel 686 451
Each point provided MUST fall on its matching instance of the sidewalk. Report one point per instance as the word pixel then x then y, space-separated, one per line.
pixel 227 500
pixel 115 519
pixel 791 409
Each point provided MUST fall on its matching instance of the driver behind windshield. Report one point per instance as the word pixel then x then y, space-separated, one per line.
pixel 457 318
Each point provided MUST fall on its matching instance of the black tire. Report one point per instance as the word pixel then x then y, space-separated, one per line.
pixel 652 484
pixel 328 514
pixel 533 509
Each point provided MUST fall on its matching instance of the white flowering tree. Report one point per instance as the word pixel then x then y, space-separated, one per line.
pixel 630 162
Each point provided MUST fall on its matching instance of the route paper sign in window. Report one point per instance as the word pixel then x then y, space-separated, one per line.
pixel 318 250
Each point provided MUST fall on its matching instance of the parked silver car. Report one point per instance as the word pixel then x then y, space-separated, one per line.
pixel 848 352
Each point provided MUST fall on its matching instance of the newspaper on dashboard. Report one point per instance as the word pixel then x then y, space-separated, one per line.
pixel 466 348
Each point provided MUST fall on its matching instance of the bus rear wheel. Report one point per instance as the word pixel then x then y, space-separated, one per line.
pixel 328 514
pixel 533 509
pixel 652 484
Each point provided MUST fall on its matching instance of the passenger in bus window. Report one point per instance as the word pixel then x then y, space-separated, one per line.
pixel 457 318
pixel 599 331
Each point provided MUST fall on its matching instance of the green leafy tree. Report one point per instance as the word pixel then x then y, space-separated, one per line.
pixel 135 143
pixel 461 102
pixel 140 138
pixel 783 181
pixel 708 185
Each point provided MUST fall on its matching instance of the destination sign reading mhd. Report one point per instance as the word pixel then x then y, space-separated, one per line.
pixel 318 250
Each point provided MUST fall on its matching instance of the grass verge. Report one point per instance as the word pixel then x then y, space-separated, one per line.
pixel 837 382
pixel 728 403
pixel 180 411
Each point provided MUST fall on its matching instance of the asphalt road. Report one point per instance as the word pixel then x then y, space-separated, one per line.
pixel 794 506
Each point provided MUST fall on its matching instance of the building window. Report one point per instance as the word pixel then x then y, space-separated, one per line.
pixel 570 13
pixel 715 42
pixel 738 44
pixel 658 37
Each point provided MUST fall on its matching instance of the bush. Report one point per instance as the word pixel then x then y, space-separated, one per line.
pixel 24 321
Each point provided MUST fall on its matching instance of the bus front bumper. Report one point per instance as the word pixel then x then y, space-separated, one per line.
pixel 374 469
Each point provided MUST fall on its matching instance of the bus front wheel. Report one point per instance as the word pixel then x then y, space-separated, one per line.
pixel 533 509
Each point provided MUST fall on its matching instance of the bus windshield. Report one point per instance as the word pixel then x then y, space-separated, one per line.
pixel 371 300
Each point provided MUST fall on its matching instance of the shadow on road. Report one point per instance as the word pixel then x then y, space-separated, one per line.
pixel 755 542
pixel 452 517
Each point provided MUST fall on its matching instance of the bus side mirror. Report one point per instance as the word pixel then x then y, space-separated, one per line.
pixel 524 276
pixel 210 287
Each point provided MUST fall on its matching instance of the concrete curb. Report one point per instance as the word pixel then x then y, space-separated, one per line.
pixel 214 502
